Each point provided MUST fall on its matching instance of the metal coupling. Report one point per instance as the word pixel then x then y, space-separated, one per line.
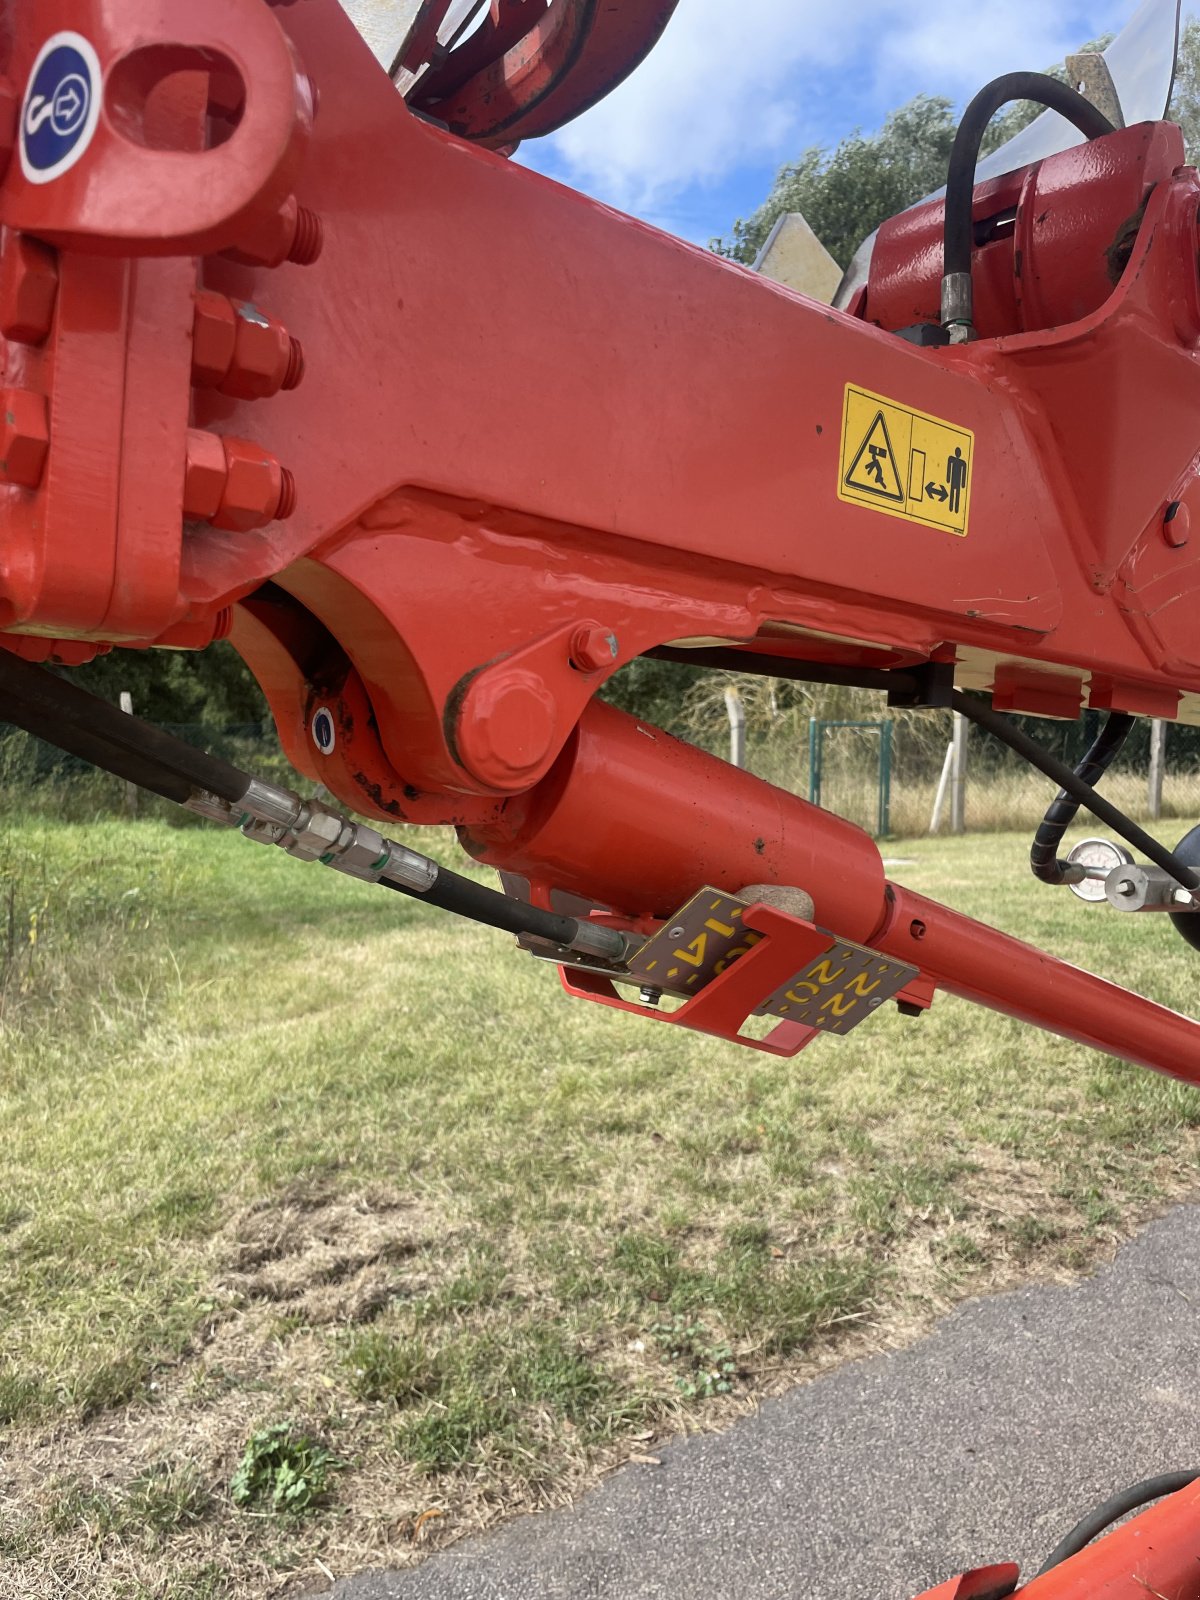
pixel 318 834
pixel 265 802
pixel 958 307
pixel 594 939
pixel 409 869
pixel 1138 888
pixel 367 855
pixel 212 808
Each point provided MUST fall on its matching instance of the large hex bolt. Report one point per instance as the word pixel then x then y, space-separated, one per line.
pixel 506 727
pixel 234 483
pixel 28 287
pixel 241 351
pixel 24 437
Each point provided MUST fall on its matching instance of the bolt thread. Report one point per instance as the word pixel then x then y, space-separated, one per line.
pixel 308 238
pixel 287 495
pixel 295 364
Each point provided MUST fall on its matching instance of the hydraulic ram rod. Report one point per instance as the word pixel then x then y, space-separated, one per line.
pixel 994 970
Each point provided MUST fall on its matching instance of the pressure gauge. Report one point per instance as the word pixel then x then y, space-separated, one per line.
pixel 1100 857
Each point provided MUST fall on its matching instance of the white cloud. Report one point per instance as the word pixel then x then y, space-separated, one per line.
pixel 735 83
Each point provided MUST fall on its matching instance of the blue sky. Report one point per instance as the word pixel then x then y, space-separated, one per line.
pixel 693 138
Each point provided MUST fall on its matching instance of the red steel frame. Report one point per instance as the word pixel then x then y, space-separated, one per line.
pixel 441 445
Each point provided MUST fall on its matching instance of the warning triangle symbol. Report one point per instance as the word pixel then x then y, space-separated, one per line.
pixel 874 469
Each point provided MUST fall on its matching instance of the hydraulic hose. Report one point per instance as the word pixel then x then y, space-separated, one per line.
pixel 1001 728
pixel 84 725
pixel 1139 1494
pixel 957 298
pixel 1043 852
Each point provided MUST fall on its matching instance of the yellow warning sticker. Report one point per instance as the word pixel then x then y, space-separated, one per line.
pixel 905 463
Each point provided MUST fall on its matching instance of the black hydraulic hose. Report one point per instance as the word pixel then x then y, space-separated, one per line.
pixel 1139 1494
pixel 81 723
pixel 1001 728
pixel 466 898
pixel 1043 852
pixel 964 154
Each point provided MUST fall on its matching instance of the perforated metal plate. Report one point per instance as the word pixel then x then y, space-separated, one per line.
pixel 839 989
pixel 695 946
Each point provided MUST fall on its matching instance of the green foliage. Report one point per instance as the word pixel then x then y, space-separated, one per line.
pixel 212 686
pixel 1185 100
pixel 282 1471
pixel 845 192
pixel 384 1367
pixel 655 691
pixel 706 1366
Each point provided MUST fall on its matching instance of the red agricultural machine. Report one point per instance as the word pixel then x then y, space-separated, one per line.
pixel 294 354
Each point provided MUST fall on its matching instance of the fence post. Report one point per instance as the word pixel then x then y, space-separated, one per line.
pixel 939 799
pixel 1158 762
pixel 814 761
pixel 885 779
pixel 737 725
pixel 958 775
pixel 131 793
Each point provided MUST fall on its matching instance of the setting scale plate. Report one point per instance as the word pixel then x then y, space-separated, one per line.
pixel 834 992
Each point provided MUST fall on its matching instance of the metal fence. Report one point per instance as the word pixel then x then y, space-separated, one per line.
pixel 910 775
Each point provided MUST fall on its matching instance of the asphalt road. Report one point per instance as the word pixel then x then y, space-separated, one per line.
pixel 984 1442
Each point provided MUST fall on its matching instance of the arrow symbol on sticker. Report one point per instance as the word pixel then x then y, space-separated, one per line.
pixel 937 491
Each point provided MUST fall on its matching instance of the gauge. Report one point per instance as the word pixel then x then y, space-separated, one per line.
pixel 1100 857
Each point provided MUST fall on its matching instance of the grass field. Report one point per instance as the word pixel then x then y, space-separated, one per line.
pixel 330 1230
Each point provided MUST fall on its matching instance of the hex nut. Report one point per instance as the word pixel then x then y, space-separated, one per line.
pixel 254 486
pixel 28 287
pixel 24 437
pixel 318 836
pixel 204 475
pixel 593 648
pixel 261 356
pixel 214 338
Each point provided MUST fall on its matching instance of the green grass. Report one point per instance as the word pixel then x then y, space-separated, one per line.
pixel 280 1148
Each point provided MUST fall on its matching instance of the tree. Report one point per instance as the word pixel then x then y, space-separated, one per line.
pixel 1185 101
pixel 846 192
pixel 210 686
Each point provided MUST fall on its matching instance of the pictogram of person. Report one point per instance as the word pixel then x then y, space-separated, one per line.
pixel 956 477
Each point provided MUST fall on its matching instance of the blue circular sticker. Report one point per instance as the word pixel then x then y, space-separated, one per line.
pixel 61 107
pixel 324 731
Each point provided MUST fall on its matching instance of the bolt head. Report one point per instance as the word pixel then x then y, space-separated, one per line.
pixel 506 728
pixel 203 475
pixel 593 648
pixel 214 334
pixel 28 287
pixel 24 437
pixel 1176 524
